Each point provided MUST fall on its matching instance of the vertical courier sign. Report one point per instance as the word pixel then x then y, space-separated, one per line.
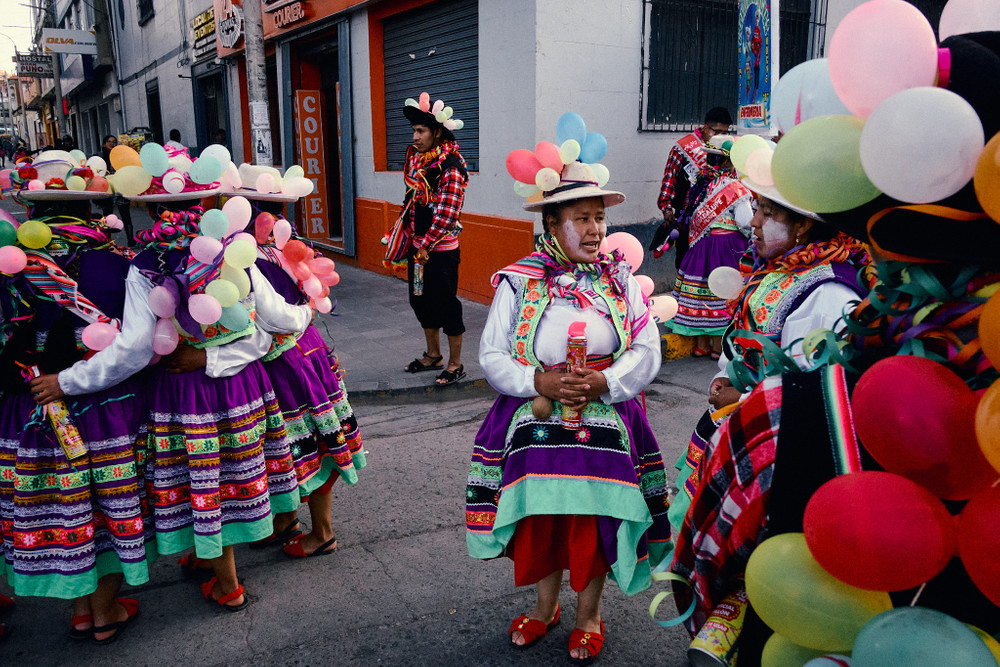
pixel 754 67
pixel 309 127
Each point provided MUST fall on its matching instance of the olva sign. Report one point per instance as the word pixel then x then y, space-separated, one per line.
pixel 57 40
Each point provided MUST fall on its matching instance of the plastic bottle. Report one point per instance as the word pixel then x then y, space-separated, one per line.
pixel 69 438
pixel 418 278
pixel 576 356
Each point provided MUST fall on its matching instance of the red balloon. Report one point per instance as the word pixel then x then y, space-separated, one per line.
pixel 878 531
pixel 263 224
pixel 979 542
pixel 547 154
pixel 917 419
pixel 301 271
pixel 296 251
pixel 523 165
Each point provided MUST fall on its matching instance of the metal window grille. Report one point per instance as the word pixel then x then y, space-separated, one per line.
pixel 146 11
pixel 434 49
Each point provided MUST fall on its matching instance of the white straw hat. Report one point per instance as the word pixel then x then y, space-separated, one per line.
pixel 577 181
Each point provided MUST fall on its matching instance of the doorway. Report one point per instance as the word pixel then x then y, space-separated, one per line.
pixel 211 109
pixel 153 109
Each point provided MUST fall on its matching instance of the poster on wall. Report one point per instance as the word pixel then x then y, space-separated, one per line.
pixel 309 129
pixel 754 67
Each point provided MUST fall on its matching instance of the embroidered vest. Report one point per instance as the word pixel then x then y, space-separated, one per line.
pixel 281 343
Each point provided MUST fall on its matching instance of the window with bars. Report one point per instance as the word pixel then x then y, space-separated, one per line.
pixel 689 62
pixel 146 10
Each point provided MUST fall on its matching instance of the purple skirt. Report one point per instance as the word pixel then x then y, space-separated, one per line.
pixel 699 311
pixel 219 461
pixel 321 426
pixel 64 527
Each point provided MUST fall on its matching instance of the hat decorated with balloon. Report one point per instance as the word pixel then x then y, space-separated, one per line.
pixel 164 173
pixel 421 112
pixel 263 183
pixel 57 175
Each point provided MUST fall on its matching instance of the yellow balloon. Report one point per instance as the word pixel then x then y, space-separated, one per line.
pixel 34 234
pixel 992 644
pixel 124 156
pixel 782 652
pixel 76 183
pixel 743 147
pixel 225 292
pixel 240 254
pixel 794 595
pixel 237 277
pixel 131 180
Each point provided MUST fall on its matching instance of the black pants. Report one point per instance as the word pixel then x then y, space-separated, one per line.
pixel 438 307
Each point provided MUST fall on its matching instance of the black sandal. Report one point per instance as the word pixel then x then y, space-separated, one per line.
pixel 417 367
pixel 450 377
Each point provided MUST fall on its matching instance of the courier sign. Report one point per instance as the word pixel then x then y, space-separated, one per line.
pixel 283 13
pixel 57 40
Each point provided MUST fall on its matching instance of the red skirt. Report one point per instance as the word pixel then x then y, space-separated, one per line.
pixel 546 543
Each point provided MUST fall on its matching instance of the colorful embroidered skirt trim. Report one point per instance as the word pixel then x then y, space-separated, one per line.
pixel 699 311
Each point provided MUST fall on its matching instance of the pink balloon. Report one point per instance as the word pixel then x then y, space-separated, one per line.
pixel 663 308
pixel 36 184
pixel 547 153
pixel 425 101
pixel 5 178
pixel 322 265
pixel 205 249
pixel 98 335
pixel 162 302
pixel 244 236
pixel 12 259
pixel 604 247
pixel 238 210
pixel 332 279
pixel 646 285
pixel 113 221
pixel 300 270
pixel 759 166
pixel 282 232
pixel 155 359
pixel 523 165
pixel 7 217
pixel 881 48
pixel 263 224
pixel 165 337
pixel 312 286
pixel 324 305
pixel 628 246
pixel 204 308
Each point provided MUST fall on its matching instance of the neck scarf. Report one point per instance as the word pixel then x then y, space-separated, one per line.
pixel 416 181
pixel 174 230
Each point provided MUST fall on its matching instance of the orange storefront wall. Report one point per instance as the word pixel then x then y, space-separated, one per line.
pixel 488 243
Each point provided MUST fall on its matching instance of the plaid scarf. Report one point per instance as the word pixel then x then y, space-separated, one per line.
pixel 416 182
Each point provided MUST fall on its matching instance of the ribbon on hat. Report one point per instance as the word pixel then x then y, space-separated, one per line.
pixel 46 276
pixel 930 209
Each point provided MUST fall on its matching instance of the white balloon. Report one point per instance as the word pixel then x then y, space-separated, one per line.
pixel 297 187
pixel 219 152
pixel 98 165
pixel 230 180
pixel 602 174
pixel 173 182
pixel 725 282
pixel 266 184
pixel 805 92
pixel 961 16
pixel 181 163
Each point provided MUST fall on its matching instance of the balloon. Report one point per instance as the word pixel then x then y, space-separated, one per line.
pixel 238 210
pixel 79 157
pixel 525 189
pixel 282 232
pixel 219 152
pixel 725 282
pixel 438 106
pixel 799 599
pixel 204 308
pixel 629 246
pixel 742 148
pixel 131 180
pixel 98 335
pixel 919 636
pixel 76 183
pixel 547 179
pixel 571 126
pixel 645 285
pixel 237 277
pixel 296 251
pixel 879 49
pixel 780 652
pixel 266 184
pixel 205 170
pixel 181 163
pixel 569 151
pixel 8 233
pixel 601 173
pixel 830 660
pixel 989 330
pixel 300 270
pixel 98 165
pixel 322 265
pixel 425 102
pixel 12 260
pixel 297 187
pixel 214 223
pixel 662 308
pixel 244 236
pixel 99 184
pixel 34 234
pixel 979 542
pixel 312 286
pixel 992 644
pixel 162 302
pixel 961 16
pixel 124 156
pixel 805 92
pixel 230 180
pixel 594 147
pixel 986 179
pixel 758 166
pixel 917 418
pixel 154 159
pixel 5 178
pixel 878 531
pixel 523 165
pixel 240 254
pixel 262 226
pixel 174 181
pixel 547 154
pixel 165 337
pixel 35 184
pixel 205 249
pixel 324 305
pixel 113 222
pixel 921 145
pixel 235 318
pixel 817 164
pixel 223 291
pixel 295 171
pixel 332 279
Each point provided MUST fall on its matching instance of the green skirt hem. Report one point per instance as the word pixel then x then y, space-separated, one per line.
pixel 210 546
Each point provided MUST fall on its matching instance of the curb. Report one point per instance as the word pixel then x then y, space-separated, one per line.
pixel 370 393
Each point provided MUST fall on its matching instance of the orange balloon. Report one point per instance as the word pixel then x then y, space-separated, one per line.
pixel 987 179
pixel 989 330
pixel 988 425
pixel 124 156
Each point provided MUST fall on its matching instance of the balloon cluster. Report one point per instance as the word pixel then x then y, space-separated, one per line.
pixel 540 170
pixel 57 170
pixel 270 181
pixel 314 273
pixel 441 113
pixel 12 259
pixel 154 170
pixel 662 307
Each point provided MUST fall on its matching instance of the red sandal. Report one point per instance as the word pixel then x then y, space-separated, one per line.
pixel 592 641
pixel 86 633
pixel 531 629
pixel 209 586
pixel 194 568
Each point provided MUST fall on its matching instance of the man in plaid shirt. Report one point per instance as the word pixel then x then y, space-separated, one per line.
pixel 683 163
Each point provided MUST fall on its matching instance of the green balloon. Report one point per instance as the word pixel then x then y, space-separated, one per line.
pixel 235 317
pixel 817 165
pixel 8 235
pixel 782 652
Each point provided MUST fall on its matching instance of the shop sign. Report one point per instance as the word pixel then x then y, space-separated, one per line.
pixel 754 66
pixel 229 24
pixel 57 40
pixel 36 65
pixel 309 128
pixel 283 13
pixel 203 27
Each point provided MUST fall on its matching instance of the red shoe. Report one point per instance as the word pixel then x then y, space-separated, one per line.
pixel 592 641
pixel 6 602
pixel 131 610
pixel 294 548
pixel 86 633
pixel 531 629
pixel 206 591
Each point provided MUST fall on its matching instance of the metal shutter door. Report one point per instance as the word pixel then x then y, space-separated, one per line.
pixel 433 49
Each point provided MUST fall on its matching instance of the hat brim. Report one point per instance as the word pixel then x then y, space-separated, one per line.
pixel 610 197
pixel 418 117
pixel 180 196
pixel 771 192
pixel 60 195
